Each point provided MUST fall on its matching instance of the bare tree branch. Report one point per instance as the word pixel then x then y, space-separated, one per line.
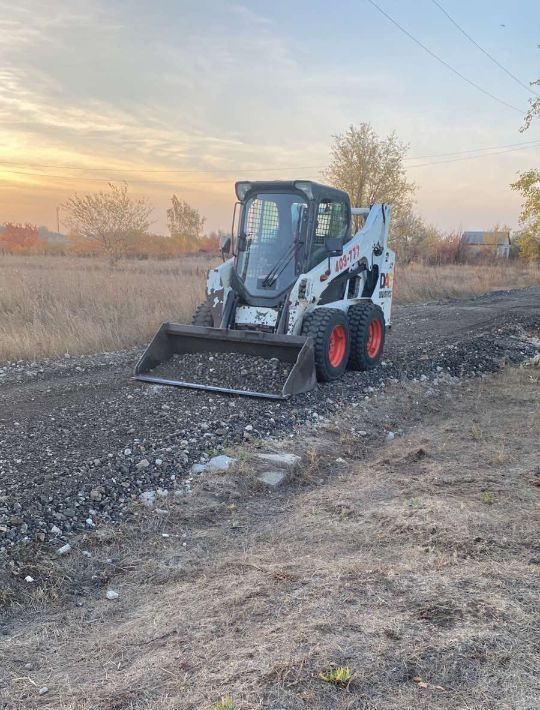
pixel 112 219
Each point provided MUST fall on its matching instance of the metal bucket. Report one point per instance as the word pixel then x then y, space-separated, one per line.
pixel 174 339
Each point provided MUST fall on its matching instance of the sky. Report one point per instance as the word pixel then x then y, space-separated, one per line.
pixel 188 96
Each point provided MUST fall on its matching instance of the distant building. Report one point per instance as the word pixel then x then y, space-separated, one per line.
pixel 495 243
pixel 52 237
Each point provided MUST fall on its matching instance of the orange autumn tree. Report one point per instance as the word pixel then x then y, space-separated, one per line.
pixel 19 238
pixel 209 244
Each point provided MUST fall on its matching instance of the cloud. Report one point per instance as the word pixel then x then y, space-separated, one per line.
pixel 87 83
pixel 218 88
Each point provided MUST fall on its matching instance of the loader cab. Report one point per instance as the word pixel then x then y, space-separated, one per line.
pixel 284 229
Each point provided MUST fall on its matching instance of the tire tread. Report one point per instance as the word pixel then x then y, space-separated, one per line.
pixel 316 325
pixel 360 316
pixel 203 315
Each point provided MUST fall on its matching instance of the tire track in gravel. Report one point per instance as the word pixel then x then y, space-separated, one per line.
pixel 74 433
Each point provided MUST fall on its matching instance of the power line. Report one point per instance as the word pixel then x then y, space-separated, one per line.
pixel 152 170
pixel 467 157
pixel 490 56
pixel 485 154
pixel 230 170
pixel 474 150
pixel 443 62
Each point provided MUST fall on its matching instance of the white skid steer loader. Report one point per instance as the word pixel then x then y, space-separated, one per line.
pixel 299 287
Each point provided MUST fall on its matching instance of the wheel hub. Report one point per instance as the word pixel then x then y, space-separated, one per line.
pixel 374 338
pixel 337 345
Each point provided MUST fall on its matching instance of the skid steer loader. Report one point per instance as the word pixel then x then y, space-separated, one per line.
pixel 299 287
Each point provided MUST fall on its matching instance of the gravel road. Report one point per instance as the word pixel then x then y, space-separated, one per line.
pixel 79 440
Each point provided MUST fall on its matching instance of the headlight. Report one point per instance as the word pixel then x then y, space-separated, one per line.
pixel 242 188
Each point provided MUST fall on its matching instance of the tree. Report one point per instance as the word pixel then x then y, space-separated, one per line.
pixel 111 219
pixel 528 185
pixel 19 238
pixel 185 223
pixel 370 168
pixel 408 235
pixel 413 240
pixel 534 109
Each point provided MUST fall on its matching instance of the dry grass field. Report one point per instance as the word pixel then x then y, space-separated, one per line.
pixel 417 283
pixel 53 305
pixel 50 306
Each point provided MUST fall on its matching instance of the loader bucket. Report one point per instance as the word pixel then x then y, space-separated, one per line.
pixel 174 339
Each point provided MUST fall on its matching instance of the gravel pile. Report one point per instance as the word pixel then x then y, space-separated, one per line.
pixel 80 442
pixel 242 372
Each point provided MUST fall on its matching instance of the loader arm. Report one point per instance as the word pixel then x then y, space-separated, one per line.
pixel 367 264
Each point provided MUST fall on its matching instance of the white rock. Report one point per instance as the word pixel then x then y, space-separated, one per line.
pixel 534 361
pixel 340 460
pixel 249 427
pixel 218 464
pixel 63 550
pixel 127 452
pixel 390 436
pixel 143 464
pixel 148 498
pixel 284 459
pixel 159 462
pixel 198 468
pixel 28 579
pixel 111 594
pixel 90 523
pixel 362 433
pixel 44 690
pixel 272 479
pixel 86 553
pixel 56 530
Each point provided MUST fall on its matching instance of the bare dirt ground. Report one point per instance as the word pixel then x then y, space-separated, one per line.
pixel 412 562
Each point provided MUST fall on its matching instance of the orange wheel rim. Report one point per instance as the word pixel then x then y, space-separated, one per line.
pixel 374 338
pixel 337 345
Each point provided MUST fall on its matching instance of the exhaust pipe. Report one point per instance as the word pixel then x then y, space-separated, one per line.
pixel 175 339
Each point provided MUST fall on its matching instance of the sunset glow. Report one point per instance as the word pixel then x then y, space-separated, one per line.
pixel 187 97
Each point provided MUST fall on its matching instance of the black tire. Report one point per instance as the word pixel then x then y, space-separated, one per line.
pixel 320 325
pixel 203 315
pixel 366 349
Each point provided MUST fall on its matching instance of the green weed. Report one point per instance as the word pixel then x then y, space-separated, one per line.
pixel 339 676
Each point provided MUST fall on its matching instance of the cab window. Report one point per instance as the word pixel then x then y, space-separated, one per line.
pixel 331 220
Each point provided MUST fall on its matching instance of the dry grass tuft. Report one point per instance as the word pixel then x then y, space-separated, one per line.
pixel 225 703
pixel 53 305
